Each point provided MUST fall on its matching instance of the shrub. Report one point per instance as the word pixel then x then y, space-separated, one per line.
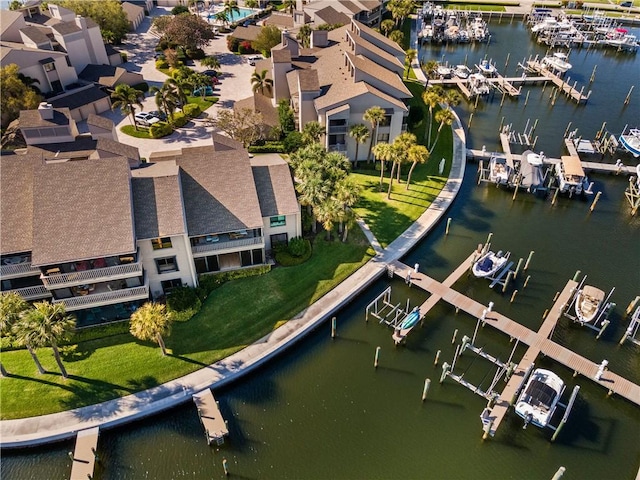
pixel 286 256
pixel 165 44
pixel 124 56
pixel 180 119
pixel 142 86
pixel 191 110
pixel 161 64
pixel 268 147
pixel 178 9
pixel 160 129
pixel 292 142
pixel 233 44
pixel 197 54
pixel 298 246
pixel 183 298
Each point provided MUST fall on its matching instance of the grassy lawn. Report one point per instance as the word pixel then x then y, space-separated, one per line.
pixel 204 103
pixel 141 132
pixel 232 317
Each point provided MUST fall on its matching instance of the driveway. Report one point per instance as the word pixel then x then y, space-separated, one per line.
pixel 235 84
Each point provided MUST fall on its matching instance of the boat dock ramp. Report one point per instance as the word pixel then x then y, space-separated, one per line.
pixel 84 457
pixel 539 341
pixel 215 428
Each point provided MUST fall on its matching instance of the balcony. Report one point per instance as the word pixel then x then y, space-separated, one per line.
pixel 217 243
pixel 105 298
pixel 95 275
pixel 338 129
pixel 17 267
pixel 338 147
pixel 37 292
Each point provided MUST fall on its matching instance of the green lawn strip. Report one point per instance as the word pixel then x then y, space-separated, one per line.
pixel 203 103
pixel 130 130
pixel 232 317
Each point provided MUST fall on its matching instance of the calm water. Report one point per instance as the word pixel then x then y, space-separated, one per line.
pixel 322 410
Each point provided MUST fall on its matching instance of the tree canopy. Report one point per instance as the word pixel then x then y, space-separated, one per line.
pixel 14 94
pixel 108 14
pixel 268 38
pixel 186 30
pixel 245 125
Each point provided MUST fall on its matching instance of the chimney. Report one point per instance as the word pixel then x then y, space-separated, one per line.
pixel 46 111
pixel 291 43
pixel 319 38
pixel 81 22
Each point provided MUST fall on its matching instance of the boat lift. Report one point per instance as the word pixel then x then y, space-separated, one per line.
pixel 601 321
pixel 631 332
pixel 390 314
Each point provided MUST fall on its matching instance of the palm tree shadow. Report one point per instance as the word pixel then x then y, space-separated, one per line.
pixel 38 380
pixel 189 360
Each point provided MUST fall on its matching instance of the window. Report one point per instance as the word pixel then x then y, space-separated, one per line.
pixel 168 285
pixel 49 67
pixel 383 137
pixel 281 238
pixel 278 221
pixel 159 243
pixel 167 264
pixel 68 61
pixel 386 122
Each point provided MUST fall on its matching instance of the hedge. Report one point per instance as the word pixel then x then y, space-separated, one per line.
pixel 285 257
pixel 160 129
pixel 161 64
pixel 268 147
pixel 180 119
pixel 191 110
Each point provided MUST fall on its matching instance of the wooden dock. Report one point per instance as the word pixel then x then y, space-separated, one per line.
pixel 538 342
pixel 84 456
pixel 215 428
pixel 564 87
pixel 505 85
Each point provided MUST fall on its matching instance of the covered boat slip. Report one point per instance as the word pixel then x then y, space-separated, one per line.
pixel 572 168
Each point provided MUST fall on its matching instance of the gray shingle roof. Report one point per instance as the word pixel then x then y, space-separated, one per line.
pixel 101 122
pixel 275 190
pixel 331 16
pixel 281 56
pixel 65 28
pixel 35 34
pixel 219 193
pixel 32 118
pixel 83 210
pixel 390 46
pixel 157 203
pixel 82 97
pixel 16 207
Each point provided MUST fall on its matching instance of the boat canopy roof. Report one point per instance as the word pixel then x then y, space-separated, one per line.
pixel 572 165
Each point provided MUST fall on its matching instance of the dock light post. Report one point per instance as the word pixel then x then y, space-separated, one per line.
pixel 416 267
pixel 601 369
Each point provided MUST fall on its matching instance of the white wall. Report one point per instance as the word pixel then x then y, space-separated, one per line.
pixel 293 228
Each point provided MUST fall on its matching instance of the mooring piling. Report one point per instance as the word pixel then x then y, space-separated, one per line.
pixel 333 327
pixel 377 357
pixel 425 390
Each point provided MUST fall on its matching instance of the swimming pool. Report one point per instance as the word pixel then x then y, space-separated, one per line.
pixel 234 16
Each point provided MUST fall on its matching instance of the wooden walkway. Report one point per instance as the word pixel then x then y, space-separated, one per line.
pixel 538 342
pixel 504 85
pixel 215 428
pixel 84 456
pixel 564 87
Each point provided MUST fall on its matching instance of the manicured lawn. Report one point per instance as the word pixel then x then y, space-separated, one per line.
pixel 204 103
pixel 232 317
pixel 130 130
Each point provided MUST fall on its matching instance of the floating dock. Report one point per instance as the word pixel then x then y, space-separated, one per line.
pixel 215 428
pixel 538 342
pixel 563 86
pixel 84 456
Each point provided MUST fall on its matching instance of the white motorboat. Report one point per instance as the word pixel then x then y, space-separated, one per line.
pixel 557 61
pixel 462 71
pixel 631 141
pixel 444 72
pixel 571 176
pixel 588 302
pixel 487 68
pixel 539 398
pixel 489 264
pixel 478 84
pixel 499 170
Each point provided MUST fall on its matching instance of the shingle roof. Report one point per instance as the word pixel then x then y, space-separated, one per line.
pixel 35 34
pixel 32 118
pixel 108 73
pixel 222 142
pixel 83 210
pixel 260 103
pixel 275 190
pixel 341 93
pixel 375 49
pixel 378 72
pixel 79 98
pixel 219 193
pixel 101 122
pixel 249 33
pixel 279 19
pixel 65 28
pixel 390 44
pixel 331 16
pixel 132 11
pixel 16 207
pixel 281 56
pixel 308 80
pixel 83 148
pixel 157 202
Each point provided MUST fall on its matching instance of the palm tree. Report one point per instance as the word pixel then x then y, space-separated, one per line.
pixel 411 55
pixel 127 99
pixel 12 306
pixel 231 7
pixel 373 115
pixel 166 99
pixel 347 193
pixel 289 5
pixel 386 26
pixel 416 154
pixel 430 69
pixel 251 3
pixel 360 133
pixel 222 17
pixel 443 117
pixel 46 324
pixel 431 97
pixel 403 143
pixel 304 35
pixel 312 132
pixel 180 85
pixel 200 81
pixel 383 151
pixel 396 36
pixel 211 62
pixel 327 213
pixel 259 81
pixel 151 322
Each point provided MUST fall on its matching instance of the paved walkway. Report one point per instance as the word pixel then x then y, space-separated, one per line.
pixel 58 426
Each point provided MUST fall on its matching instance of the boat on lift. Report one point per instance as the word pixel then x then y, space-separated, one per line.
pixel 631 141
pixel 539 398
pixel 557 61
pixel 487 68
pixel 444 72
pixel 489 264
pixel 478 84
pixel 571 176
pixel 499 170
pixel 462 71
pixel 588 302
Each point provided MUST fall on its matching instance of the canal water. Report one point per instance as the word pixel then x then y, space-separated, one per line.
pixel 322 411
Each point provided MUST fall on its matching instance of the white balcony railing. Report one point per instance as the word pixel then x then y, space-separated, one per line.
pixel 105 298
pixel 232 244
pixel 33 293
pixel 18 270
pixel 62 280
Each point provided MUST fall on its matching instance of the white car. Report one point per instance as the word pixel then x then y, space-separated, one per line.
pixel 146 119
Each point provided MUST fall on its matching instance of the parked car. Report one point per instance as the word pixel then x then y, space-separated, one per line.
pixel 146 119
pixel 159 115
pixel 210 73
pixel 626 4
pixel 208 91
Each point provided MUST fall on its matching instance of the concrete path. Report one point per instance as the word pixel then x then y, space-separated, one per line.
pixel 58 426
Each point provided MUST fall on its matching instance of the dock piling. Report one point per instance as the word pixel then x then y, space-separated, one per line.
pixel 446 232
pixel 507 280
pixel 377 357
pixel 595 200
pixel 513 296
pixel 526 264
pixel 333 327
pixel 605 324
pixel 517 270
pixel 626 100
pixel 445 371
pixel 455 334
pixel 435 362
pixel 526 281
pixel 576 275
pixel 225 467
pixel 425 390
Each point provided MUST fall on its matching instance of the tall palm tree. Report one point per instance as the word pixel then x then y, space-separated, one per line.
pixel 46 324
pixel 403 143
pixel 211 61
pixel 231 7
pixel 443 117
pixel 12 306
pixel 259 81
pixel 432 97
pixel 151 322
pixel 327 213
pixel 200 81
pixel 312 132
pixel 416 154
pixel 304 35
pixel 222 17
pixel 397 36
pixel 166 100
pixel 373 115
pixel 347 193
pixel 384 152
pixel 180 85
pixel 411 55
pixel 430 68
pixel 127 98
pixel 360 133
pixel 387 26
